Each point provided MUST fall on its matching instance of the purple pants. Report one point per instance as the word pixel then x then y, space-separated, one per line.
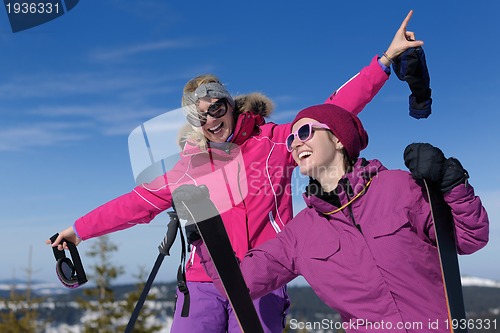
pixel 210 312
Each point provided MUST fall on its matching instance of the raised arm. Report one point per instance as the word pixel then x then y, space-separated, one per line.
pixel 139 206
pixel 402 41
pixel 361 88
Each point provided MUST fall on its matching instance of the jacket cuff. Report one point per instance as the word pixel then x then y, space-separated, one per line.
pixel 459 192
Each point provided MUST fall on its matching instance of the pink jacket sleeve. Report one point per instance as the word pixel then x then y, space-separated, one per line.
pixel 360 89
pixel 139 206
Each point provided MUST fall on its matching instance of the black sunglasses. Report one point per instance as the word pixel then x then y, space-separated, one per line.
pixel 69 272
pixel 217 109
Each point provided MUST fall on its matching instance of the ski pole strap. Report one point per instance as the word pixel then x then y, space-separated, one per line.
pixel 181 284
pixel 181 277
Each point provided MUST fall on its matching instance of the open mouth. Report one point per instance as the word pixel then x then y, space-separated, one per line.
pixel 304 155
pixel 216 129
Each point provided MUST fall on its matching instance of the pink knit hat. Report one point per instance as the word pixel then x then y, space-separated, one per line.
pixel 344 125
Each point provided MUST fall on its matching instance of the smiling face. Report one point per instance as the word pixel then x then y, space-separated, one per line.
pixel 319 157
pixel 216 129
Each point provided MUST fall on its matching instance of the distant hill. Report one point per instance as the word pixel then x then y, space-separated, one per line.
pixel 481 296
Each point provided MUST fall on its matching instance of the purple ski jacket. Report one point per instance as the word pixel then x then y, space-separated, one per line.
pixel 382 276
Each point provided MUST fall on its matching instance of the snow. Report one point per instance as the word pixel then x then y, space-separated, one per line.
pixel 473 281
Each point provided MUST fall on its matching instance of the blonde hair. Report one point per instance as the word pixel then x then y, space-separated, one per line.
pixel 190 133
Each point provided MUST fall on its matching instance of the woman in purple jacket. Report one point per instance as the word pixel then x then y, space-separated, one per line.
pixel 366 243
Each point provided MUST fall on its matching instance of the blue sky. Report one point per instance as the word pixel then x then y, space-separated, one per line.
pixel 73 89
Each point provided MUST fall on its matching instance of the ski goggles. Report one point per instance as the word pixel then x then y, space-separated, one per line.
pixel 303 133
pixel 69 271
pixel 217 109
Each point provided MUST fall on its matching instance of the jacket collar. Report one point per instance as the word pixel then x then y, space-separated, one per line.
pixel 247 124
pixel 350 185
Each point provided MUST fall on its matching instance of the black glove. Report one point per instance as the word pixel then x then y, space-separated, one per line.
pixel 189 194
pixel 426 161
pixel 454 174
pixel 411 67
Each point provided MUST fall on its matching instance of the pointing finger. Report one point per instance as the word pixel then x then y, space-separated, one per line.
pixel 406 20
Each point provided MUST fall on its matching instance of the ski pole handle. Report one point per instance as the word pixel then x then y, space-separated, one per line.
pixel 169 239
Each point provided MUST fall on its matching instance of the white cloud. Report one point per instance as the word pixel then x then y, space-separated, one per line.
pixel 283 116
pixel 38 135
pixel 48 109
pixel 106 119
pixel 130 50
pixel 60 85
pixel 76 123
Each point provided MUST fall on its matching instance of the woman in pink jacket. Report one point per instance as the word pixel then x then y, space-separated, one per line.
pixel 249 174
pixel 365 242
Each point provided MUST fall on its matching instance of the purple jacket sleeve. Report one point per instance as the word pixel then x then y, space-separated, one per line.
pixel 360 89
pixel 470 218
pixel 264 269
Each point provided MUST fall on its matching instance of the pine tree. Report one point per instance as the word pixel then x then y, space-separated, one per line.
pixel 21 315
pixel 141 325
pixel 100 302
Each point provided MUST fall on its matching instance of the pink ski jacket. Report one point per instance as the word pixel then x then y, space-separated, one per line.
pixel 376 261
pixel 248 178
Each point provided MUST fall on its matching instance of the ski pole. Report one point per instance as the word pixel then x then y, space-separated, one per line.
pixel 164 249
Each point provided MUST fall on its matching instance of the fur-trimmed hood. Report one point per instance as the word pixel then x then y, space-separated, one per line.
pixel 255 103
